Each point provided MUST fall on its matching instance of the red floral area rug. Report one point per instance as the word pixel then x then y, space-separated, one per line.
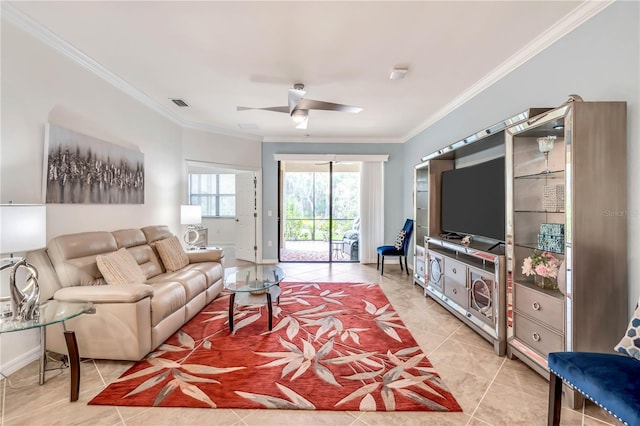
pixel 333 347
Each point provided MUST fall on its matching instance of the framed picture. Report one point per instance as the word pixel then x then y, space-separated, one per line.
pixel 86 170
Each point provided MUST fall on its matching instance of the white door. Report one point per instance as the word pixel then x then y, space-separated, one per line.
pixel 246 216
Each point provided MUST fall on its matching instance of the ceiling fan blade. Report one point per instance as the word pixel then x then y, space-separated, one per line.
pixel 284 109
pixel 328 106
pixel 295 96
pixel 303 124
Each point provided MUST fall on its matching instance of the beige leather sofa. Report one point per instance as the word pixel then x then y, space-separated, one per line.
pixel 130 320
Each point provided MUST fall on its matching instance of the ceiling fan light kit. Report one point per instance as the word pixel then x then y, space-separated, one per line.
pixel 398 73
pixel 299 107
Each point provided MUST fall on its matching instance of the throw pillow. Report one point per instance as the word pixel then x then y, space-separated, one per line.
pixel 172 254
pixel 400 239
pixel 630 343
pixel 120 268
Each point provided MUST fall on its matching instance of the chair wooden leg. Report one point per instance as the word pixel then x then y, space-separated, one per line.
pixel 378 263
pixel 382 267
pixel 400 260
pixel 406 268
pixel 555 400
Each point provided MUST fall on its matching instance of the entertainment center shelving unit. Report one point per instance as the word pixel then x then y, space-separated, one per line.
pixel 468 280
pixel 580 190
pixel 588 162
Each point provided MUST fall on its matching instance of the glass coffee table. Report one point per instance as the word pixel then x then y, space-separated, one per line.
pixel 254 285
pixel 53 312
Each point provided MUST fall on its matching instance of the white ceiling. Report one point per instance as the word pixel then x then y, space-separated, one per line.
pixel 218 55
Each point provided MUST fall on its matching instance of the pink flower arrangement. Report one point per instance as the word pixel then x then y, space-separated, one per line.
pixel 542 264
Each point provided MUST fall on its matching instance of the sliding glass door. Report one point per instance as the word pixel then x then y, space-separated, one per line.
pixel 319 207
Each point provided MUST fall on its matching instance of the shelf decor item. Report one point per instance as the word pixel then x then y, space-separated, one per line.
pixel 545 145
pixel 544 269
pixel 551 237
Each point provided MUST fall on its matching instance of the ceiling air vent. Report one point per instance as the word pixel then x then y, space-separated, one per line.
pixel 179 102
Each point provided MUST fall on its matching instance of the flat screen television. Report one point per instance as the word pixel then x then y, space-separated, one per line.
pixel 473 200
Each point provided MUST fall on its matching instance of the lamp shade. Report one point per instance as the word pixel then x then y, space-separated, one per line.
pixel 24 227
pixel 190 215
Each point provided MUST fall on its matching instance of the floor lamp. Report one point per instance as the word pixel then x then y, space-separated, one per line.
pixel 23 229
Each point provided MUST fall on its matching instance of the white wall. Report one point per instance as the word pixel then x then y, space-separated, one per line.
pixel 221 230
pixel 40 85
pixel 599 61
pixel 239 153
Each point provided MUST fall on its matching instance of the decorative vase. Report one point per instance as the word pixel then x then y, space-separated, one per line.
pixel 546 282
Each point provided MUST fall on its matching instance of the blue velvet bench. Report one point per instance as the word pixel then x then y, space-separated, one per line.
pixel 611 381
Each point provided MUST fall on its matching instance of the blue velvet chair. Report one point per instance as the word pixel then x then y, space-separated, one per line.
pixel 611 381
pixel 393 251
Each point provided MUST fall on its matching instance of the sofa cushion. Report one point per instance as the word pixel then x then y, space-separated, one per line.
pixel 129 238
pixel 168 297
pixel 74 256
pixel 156 232
pixel 630 342
pixel 120 268
pixel 172 254
pixel 193 281
pixel 213 271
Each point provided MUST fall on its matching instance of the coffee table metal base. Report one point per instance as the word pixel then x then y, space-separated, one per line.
pixel 232 302
pixel 245 301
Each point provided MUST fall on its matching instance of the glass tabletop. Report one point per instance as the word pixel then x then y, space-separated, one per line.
pixel 254 278
pixel 51 312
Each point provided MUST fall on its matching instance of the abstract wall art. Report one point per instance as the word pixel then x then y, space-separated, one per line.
pixel 86 170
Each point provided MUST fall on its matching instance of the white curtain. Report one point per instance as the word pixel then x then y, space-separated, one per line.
pixel 371 210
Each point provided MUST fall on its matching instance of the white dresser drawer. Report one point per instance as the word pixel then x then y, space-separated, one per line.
pixel 540 306
pixel 536 336
pixel 455 271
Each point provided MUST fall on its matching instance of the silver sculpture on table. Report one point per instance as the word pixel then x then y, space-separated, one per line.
pixel 26 301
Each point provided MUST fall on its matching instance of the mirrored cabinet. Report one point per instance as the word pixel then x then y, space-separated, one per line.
pixel 421 220
pixel 566 237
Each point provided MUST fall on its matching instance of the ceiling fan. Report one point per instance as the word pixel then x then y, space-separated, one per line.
pixel 299 107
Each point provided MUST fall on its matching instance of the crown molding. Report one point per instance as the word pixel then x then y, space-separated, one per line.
pixel 345 139
pixel 23 22
pixel 564 26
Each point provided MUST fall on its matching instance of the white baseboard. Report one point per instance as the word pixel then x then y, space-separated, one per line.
pixel 10 367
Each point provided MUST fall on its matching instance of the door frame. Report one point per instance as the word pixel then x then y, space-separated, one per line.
pixel 230 168
pixel 280 243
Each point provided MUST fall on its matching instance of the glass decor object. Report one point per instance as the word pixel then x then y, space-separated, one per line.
pixel 546 282
pixel 545 145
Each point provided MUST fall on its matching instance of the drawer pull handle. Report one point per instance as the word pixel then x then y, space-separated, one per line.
pixel 535 306
pixel 536 337
pixel 454 271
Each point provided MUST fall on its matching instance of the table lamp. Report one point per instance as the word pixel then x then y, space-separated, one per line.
pixel 190 216
pixel 23 229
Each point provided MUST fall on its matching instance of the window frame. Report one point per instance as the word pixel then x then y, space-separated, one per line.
pixel 216 196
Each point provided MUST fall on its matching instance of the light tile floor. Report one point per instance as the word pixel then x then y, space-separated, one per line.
pixel 492 390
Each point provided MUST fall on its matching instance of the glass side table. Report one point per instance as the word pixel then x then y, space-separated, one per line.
pixel 53 312
pixel 254 285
